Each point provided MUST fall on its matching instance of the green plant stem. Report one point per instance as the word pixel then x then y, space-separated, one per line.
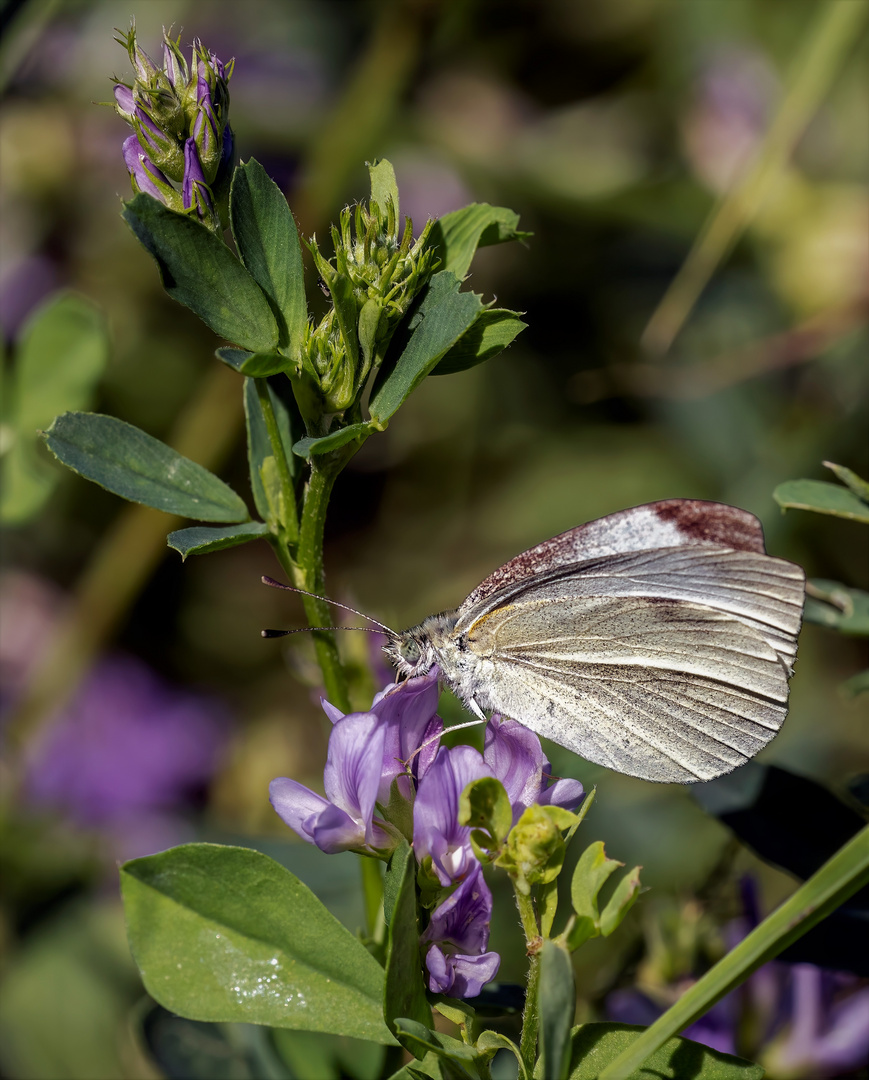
pixel 531 1015
pixel 832 35
pixel 308 572
pixel 290 522
pixel 841 877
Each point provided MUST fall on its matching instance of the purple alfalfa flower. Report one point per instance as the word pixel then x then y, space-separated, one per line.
pixel 436 829
pixel 409 712
pixel 344 819
pixel 516 758
pixel 456 940
pixel 195 192
pixel 146 176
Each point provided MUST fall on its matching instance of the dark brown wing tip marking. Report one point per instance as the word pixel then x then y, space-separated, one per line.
pixel 713 523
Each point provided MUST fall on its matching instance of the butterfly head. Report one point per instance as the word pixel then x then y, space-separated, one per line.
pixel 415 651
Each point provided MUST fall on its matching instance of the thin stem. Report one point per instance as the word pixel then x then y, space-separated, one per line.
pixel 290 516
pixel 531 1016
pixel 835 31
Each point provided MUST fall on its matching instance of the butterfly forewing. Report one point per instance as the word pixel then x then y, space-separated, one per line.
pixel 764 593
pixel 668 691
pixel 668 524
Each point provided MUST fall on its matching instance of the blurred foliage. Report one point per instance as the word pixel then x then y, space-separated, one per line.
pixel 612 129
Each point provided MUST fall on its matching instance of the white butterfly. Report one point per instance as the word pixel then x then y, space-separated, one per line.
pixel 657 641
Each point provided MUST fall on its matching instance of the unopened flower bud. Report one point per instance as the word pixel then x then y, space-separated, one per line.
pixel 146 177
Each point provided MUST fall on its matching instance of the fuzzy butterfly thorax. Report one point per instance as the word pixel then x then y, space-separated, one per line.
pixel 416 651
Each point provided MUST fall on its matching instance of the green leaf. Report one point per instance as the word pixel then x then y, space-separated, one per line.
pixel 62 354
pixel 832 885
pixel 198 270
pixel 420 1040
pixel 383 185
pixel 457 235
pixel 490 1042
pixel 547 905
pixel 492 331
pixel 589 877
pixel 404 992
pixel 821 497
pixel 227 934
pixel 136 466
pixel 268 243
pixel 485 806
pixel 199 540
pixel 255 364
pixel 594 1046
pixel 259 448
pixel 828 603
pixel 308 447
pixel 621 902
pixel 856 685
pixel 444 315
pixel 557 1006
pixel 856 483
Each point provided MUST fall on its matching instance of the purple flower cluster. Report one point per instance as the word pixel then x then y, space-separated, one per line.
pixel 394 750
pixel 182 152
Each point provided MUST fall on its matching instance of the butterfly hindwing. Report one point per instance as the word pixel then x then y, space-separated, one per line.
pixel 666 690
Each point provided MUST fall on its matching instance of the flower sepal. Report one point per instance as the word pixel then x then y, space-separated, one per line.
pixel 535 848
pixel 485 807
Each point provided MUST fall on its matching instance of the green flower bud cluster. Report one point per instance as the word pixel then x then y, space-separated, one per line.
pixel 373 279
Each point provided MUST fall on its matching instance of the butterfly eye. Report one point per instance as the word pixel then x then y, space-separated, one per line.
pixel 410 651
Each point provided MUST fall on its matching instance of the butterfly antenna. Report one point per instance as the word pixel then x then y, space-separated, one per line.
pixel 308 629
pixel 291 588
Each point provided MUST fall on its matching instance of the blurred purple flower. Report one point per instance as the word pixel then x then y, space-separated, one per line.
pixel 127 744
pixel 516 758
pixel 806 1021
pixel 436 828
pixel 344 820
pixel 457 937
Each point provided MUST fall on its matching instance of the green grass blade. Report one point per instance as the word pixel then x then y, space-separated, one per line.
pixel 841 877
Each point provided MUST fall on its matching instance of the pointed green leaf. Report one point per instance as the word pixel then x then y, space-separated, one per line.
pixel 822 498
pixel 485 806
pixel 856 483
pixel 492 331
pixel 457 235
pixel 594 1046
pixel 490 1042
pixel 227 934
pixel 383 185
pixel 404 992
pixel 138 467
pixel 836 881
pixel 444 315
pixel 308 447
pixel 268 243
pixel 200 540
pixel 557 1007
pixel 198 270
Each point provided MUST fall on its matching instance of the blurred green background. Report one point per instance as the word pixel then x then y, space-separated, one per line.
pixel 612 128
